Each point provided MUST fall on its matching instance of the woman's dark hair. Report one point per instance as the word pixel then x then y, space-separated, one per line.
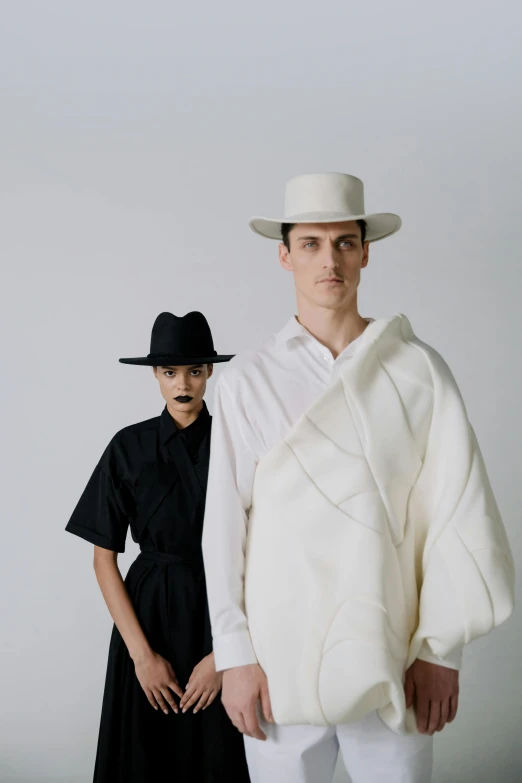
pixel 287 227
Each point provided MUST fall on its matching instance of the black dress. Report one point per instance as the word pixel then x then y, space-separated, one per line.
pixel 152 478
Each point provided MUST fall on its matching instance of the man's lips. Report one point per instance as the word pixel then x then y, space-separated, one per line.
pixel 184 398
pixel 331 280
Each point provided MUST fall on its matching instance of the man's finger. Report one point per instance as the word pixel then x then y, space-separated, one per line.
pixel 434 717
pixel 454 705
pixel 444 713
pixel 265 704
pixel 423 713
pixel 409 690
pixel 239 722
pixel 252 723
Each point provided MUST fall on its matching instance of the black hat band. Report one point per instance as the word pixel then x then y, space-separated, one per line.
pixel 173 355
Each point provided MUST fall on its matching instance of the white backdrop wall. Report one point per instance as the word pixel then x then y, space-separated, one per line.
pixel 137 139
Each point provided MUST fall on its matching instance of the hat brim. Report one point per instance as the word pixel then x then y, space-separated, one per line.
pixel 379 225
pixel 176 361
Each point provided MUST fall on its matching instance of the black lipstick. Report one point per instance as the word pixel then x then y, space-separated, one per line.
pixel 183 399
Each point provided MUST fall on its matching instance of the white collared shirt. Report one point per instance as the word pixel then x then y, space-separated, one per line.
pixel 257 400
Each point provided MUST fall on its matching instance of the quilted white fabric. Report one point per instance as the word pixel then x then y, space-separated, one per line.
pixel 373 532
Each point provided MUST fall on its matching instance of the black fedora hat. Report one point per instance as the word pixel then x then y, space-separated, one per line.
pixel 180 341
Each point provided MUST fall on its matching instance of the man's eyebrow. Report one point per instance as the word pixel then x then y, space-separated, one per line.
pixel 342 236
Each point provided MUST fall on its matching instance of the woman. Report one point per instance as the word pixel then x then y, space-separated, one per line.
pixel 161 715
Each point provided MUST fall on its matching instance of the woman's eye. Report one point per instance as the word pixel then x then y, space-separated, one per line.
pixel 196 372
pixel 169 373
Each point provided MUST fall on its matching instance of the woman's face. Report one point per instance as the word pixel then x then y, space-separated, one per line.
pixel 183 388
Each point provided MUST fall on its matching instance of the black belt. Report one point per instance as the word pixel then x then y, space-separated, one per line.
pixel 167 558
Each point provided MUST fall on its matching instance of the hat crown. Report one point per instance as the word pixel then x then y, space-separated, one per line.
pixel 181 336
pixel 330 193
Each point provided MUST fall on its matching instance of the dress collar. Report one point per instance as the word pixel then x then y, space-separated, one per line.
pixel 168 428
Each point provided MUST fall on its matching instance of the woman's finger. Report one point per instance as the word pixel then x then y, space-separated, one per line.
pixel 176 687
pixel 161 701
pixel 172 673
pixel 189 692
pixel 150 699
pixel 169 698
pixel 196 694
pixel 204 698
pixel 211 698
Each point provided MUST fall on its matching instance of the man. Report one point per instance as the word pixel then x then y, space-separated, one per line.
pixel 352 543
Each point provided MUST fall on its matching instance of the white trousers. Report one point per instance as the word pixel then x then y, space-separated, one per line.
pixel 371 753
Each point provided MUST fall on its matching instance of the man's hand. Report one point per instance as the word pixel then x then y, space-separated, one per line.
pixel 203 686
pixel 243 686
pixel 434 690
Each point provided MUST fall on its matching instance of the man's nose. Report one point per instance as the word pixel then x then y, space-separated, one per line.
pixel 329 257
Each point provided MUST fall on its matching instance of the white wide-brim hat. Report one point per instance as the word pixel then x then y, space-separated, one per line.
pixel 326 198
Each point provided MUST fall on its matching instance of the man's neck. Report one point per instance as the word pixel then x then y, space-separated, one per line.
pixel 335 329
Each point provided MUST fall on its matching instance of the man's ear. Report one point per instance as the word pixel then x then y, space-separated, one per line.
pixel 284 257
pixel 366 256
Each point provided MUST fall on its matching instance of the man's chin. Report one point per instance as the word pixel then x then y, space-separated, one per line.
pixel 332 300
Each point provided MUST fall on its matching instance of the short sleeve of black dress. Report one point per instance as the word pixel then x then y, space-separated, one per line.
pixel 103 512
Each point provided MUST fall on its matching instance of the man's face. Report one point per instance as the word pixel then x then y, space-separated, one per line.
pixel 326 260
pixel 182 387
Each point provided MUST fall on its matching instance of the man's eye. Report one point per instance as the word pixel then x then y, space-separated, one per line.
pixel 309 244
pixel 347 243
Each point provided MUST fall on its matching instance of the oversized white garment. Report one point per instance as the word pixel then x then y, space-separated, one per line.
pixel 373 529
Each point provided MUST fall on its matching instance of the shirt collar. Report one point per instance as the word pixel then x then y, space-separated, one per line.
pixel 293 330
pixel 168 426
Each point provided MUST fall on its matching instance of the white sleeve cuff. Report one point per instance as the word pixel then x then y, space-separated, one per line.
pixel 451 661
pixel 233 649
